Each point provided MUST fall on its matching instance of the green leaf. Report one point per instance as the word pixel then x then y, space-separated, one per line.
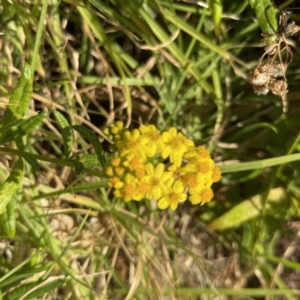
pixel 21 291
pixel 11 184
pixel 33 162
pixel 44 289
pixel 11 217
pixel 8 219
pixel 20 98
pixel 252 3
pixel 245 211
pixel 66 132
pixel 78 166
pixel 90 160
pixel 24 128
pixel 265 22
pixel 10 125
pixel 94 140
pixel 14 280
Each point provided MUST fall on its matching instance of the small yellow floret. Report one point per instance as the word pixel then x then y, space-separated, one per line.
pixel 216 174
pixel 109 171
pixel 120 125
pixel 116 183
pixel 128 190
pixel 116 161
pixel 204 196
pixel 114 130
pixel 119 171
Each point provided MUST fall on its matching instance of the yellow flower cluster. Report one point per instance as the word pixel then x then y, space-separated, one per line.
pixel 139 170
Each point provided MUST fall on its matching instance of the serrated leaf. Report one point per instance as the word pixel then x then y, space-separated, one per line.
pixel 11 184
pixel 244 211
pixel 93 139
pixel 66 132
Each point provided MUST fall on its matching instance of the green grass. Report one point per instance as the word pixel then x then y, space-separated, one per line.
pixel 169 63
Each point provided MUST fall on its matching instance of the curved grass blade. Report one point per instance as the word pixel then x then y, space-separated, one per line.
pixel 8 219
pixel 11 184
pixel 44 289
pixel 66 132
pixel 267 23
pixel 93 139
pixel 15 279
pixel 21 290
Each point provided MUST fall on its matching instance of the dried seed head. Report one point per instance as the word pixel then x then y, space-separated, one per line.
pixel 284 17
pixel 291 29
pixel 260 89
pixel 276 69
pixel 278 87
pixel 257 78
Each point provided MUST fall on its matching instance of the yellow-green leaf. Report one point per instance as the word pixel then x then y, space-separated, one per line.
pixel 11 184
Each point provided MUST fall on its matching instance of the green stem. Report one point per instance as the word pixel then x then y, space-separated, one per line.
pixel 39 36
pixel 60 162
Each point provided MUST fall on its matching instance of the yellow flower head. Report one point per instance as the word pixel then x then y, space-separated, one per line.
pixel 141 189
pixel 128 190
pixel 158 180
pixel 132 143
pixel 176 144
pixel 197 152
pixel 155 144
pixel 174 197
pixel 138 171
